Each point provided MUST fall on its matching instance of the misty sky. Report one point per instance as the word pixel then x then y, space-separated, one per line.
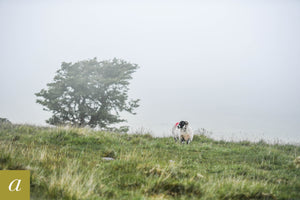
pixel 232 67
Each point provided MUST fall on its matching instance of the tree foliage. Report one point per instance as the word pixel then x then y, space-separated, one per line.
pixel 4 121
pixel 89 92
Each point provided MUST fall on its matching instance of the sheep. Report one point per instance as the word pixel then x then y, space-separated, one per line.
pixel 183 132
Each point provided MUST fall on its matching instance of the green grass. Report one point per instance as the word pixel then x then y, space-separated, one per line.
pixel 68 164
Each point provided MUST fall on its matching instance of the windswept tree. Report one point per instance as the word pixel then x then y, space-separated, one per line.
pixel 89 92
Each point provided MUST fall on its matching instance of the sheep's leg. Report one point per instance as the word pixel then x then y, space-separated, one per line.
pixel 188 141
pixel 182 140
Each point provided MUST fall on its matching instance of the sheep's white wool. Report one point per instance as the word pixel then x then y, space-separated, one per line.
pixel 186 134
pixel 176 132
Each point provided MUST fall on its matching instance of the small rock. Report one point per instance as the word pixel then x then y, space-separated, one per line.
pixel 107 158
pixel 200 175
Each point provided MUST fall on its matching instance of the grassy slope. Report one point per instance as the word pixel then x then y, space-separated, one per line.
pixel 68 164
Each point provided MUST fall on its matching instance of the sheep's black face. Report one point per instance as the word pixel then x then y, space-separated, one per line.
pixel 182 124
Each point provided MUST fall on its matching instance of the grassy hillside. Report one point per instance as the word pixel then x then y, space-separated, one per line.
pixel 68 164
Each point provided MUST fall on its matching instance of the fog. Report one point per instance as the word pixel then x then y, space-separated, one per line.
pixel 231 67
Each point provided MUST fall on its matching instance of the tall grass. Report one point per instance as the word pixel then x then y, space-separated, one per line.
pixel 67 163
